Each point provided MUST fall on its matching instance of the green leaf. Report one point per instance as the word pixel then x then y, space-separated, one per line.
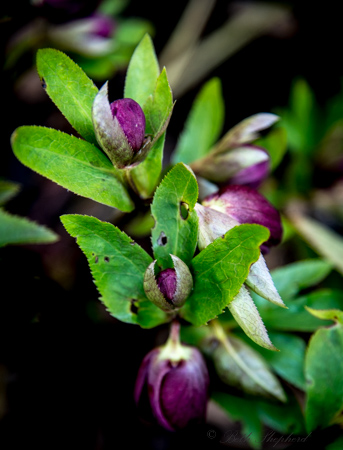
pixel 19 230
pixel 73 163
pixel 176 222
pixel 290 279
pixel 69 88
pixel 324 374
pixel 286 419
pixel 240 366
pixel 275 142
pixel 157 110
pixel 327 314
pixel 159 105
pixel 146 175
pixel 8 190
pixel 297 318
pixel 326 242
pixel 220 270
pixel 117 265
pixel 288 363
pixel 244 311
pixel 242 410
pixel 204 124
pixel 142 72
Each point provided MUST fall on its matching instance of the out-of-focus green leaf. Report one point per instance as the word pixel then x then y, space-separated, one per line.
pixel 8 190
pixel 293 277
pixel 240 366
pixel 73 163
pixel 203 125
pixel 286 419
pixel 242 410
pixel 288 363
pixel 297 318
pixel 324 374
pixel 19 230
pixel 275 142
pixel 326 242
pixel 69 88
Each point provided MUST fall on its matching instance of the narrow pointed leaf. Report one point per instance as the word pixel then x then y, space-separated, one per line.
pixel 240 366
pixel 8 190
pixel 142 72
pixel 220 270
pixel 261 282
pixel 69 88
pixel 244 311
pixel 175 233
pixel 72 163
pixel 204 124
pixel 19 230
pixel 117 265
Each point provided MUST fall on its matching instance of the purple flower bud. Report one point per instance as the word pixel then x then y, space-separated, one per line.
pixel 173 384
pixel 170 288
pixel 131 118
pixel 166 281
pixel 119 128
pixel 246 205
pixel 252 175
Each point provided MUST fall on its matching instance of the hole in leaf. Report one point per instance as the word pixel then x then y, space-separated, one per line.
pixel 106 259
pixel 96 259
pixel 133 307
pixel 184 210
pixel 162 239
pixel 43 83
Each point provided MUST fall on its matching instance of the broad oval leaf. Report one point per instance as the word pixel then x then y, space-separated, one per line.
pixel 73 163
pixel 117 265
pixel 203 125
pixel 220 270
pixel 324 374
pixel 69 88
pixel 176 222
pixel 19 230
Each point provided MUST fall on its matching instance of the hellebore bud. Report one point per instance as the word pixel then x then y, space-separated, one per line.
pixel 170 288
pixel 89 36
pixel 119 128
pixel 173 382
pixel 246 205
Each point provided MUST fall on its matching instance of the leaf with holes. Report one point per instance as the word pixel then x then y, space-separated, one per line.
pixel 118 265
pixel 69 88
pixel 220 270
pixel 73 163
pixel 176 221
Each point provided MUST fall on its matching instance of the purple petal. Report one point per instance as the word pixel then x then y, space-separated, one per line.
pixel 132 121
pixel 166 281
pixel 246 205
pixel 184 392
pixel 103 26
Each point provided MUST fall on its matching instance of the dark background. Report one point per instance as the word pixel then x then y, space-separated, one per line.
pixel 67 368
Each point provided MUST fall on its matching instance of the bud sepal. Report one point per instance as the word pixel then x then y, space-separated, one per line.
pixel 170 288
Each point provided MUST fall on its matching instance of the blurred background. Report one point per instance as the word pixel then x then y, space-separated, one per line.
pixel 67 368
